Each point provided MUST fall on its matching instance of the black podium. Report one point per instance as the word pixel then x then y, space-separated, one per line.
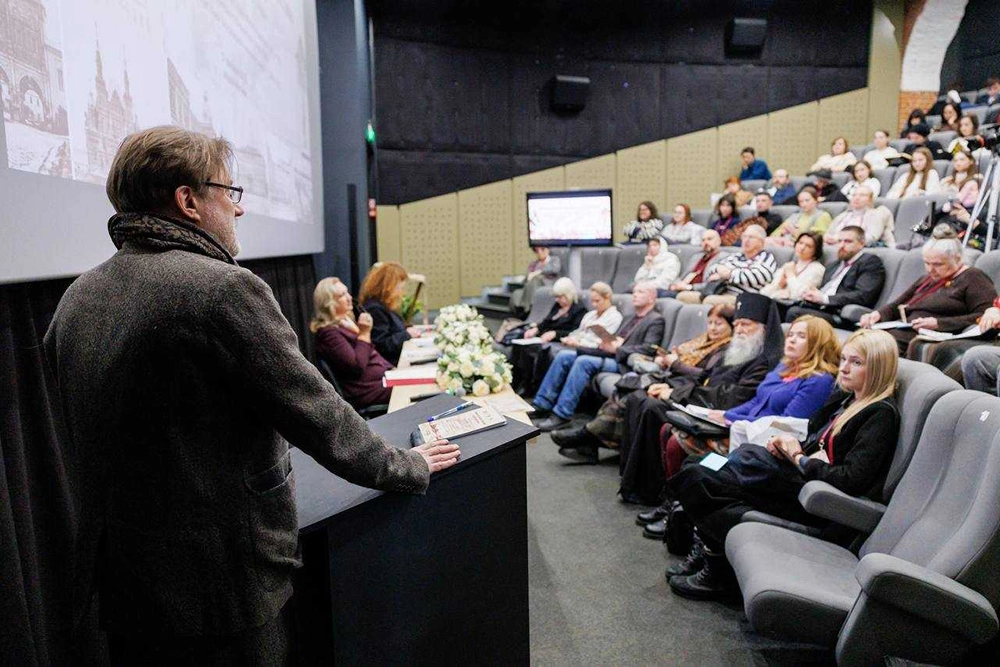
pixel 398 579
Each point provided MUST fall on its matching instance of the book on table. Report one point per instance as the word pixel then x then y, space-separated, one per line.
pixel 399 377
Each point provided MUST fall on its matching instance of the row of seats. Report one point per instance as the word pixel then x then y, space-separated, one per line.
pixel 936 539
pixel 902 267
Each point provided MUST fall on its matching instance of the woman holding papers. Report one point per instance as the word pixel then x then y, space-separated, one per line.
pixel 562 319
pixel 849 446
pixel 346 345
pixel 950 298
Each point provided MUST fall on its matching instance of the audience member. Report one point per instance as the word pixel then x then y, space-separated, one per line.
pixel 646 225
pixel 950 298
pixel 920 179
pixel 702 267
pixel 781 188
pixel 797 387
pixel 563 318
pixel 918 139
pixel 573 367
pixel 962 184
pixel 980 364
pixel 748 271
pixel 850 446
pixel 346 345
pixel 692 361
pixel 681 229
pixel 762 201
pixel 726 219
pixel 542 271
pixel 861 174
pixel 810 218
pixel 735 188
pixel 968 137
pixel 917 117
pixel 660 267
pixel 381 295
pixel 879 156
pixel 839 158
pixel 992 94
pixel 822 183
pixel 950 113
pixel 802 273
pixel 754 169
pixel 857 278
pixel 604 313
pixel 878 223
pixel 755 350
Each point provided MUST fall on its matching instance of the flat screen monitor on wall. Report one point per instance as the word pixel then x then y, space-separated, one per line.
pixel 574 217
pixel 77 76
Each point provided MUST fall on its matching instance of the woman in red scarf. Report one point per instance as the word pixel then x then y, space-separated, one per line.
pixel 950 298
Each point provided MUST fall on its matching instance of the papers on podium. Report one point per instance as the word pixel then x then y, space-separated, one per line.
pixel 459 425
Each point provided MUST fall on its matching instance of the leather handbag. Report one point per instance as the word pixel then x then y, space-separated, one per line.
pixel 699 428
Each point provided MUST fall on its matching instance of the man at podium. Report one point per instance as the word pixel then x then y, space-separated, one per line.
pixel 181 382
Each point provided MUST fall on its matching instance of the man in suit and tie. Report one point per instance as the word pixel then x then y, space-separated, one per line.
pixel 857 278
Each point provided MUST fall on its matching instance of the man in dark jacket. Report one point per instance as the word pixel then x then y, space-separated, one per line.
pixel 754 351
pixel 180 382
pixel 571 371
pixel 857 278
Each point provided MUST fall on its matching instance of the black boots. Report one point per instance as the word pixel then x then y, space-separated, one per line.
pixel 714 581
pixel 577 443
pixel 691 564
pixel 650 516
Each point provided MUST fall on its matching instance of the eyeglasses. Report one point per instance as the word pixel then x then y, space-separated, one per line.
pixel 235 192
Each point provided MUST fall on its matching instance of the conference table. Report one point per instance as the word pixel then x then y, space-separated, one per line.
pixel 390 578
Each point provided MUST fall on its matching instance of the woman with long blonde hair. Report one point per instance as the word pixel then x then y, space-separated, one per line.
pixel 919 180
pixel 346 345
pixel 850 446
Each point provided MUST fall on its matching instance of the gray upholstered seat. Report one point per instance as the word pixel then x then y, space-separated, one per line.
pixel 943 138
pixel 701 216
pixel 989 264
pixel 942 167
pixel 689 322
pixel 911 211
pixel 604 383
pixel 754 184
pixel 597 264
pixel 924 582
pixel 834 208
pixel 623 302
pixel 841 178
pixel 782 254
pixel 541 304
pixel 891 204
pixel 886 177
pixel 800 181
pixel 785 210
pixel 630 258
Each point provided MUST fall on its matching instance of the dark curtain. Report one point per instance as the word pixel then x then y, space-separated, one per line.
pixel 38 517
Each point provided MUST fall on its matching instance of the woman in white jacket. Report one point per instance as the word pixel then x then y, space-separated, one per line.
pixel 921 179
pixel 661 267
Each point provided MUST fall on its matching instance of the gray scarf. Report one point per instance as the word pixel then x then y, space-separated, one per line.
pixel 164 233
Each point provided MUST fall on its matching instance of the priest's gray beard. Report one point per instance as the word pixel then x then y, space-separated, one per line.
pixel 744 348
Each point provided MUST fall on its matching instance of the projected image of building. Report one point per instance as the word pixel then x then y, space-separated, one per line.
pixel 109 119
pixel 32 93
pixel 180 104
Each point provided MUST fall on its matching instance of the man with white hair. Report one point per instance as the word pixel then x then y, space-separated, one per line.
pixel 748 271
pixel 571 371
pixel 950 298
pixel 878 223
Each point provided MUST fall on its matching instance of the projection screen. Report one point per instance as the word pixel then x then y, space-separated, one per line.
pixel 77 76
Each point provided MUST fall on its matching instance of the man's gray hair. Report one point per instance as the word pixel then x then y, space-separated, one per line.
pixel 565 287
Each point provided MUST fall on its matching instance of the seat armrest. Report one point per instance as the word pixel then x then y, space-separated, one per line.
pixel 853 312
pixel 823 500
pixel 928 595
pixel 754 516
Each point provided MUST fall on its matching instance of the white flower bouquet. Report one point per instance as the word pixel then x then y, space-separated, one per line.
pixel 476 370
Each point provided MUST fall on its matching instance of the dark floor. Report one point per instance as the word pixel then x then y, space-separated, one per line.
pixel 598 596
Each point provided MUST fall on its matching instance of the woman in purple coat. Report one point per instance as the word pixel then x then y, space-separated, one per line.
pixel 346 345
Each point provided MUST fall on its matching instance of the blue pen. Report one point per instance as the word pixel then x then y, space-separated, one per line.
pixel 454 411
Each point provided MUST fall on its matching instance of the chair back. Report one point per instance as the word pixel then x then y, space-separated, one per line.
pixel 597 264
pixel 690 322
pixel 630 258
pixel 541 303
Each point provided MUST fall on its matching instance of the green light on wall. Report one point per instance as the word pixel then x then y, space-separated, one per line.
pixel 370 133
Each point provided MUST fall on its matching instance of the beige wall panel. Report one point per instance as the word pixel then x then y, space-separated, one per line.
pixel 885 65
pixel 843 115
pixel 484 233
pixel 597 172
pixel 387 234
pixel 692 165
pixel 733 138
pixel 429 242
pixel 549 180
pixel 641 175
pixel 791 138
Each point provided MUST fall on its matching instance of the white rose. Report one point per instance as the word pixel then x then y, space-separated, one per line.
pixel 454 384
pixel 467 370
pixel 480 388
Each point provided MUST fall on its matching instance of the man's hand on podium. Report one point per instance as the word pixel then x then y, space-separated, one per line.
pixel 439 455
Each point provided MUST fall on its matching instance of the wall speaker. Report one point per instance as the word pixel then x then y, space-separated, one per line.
pixel 745 37
pixel 568 93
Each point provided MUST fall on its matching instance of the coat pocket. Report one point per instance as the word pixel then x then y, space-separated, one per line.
pixel 274 530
